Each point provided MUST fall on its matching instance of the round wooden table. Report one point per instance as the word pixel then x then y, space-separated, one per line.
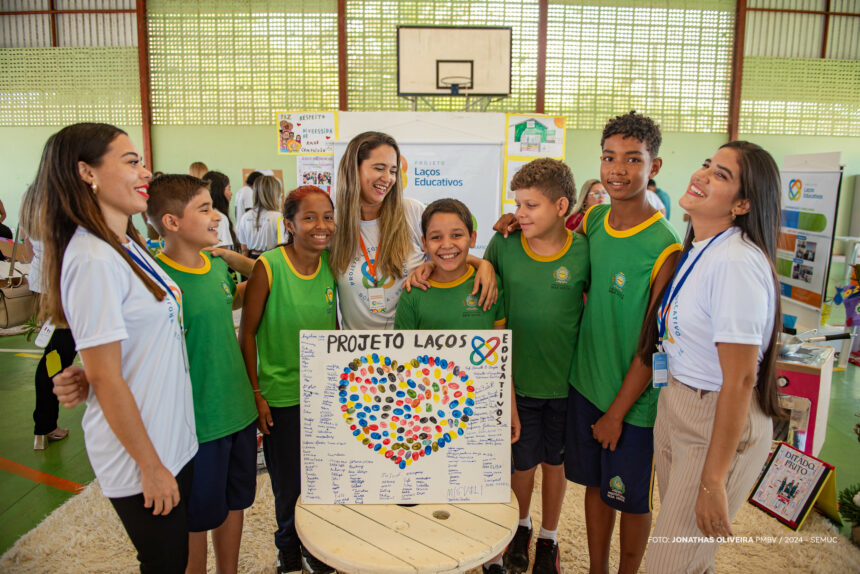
pixel 381 538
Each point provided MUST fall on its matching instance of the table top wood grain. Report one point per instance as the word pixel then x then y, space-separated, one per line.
pixel 388 538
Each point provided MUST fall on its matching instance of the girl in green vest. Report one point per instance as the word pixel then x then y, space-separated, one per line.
pixel 291 288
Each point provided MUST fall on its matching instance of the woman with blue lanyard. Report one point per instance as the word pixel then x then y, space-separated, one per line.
pixel 126 318
pixel 717 326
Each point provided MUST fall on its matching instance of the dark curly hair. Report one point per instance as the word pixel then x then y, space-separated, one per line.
pixel 551 176
pixel 637 126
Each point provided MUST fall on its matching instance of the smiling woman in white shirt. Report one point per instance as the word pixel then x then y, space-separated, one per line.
pixel 718 323
pixel 125 315
pixel 378 241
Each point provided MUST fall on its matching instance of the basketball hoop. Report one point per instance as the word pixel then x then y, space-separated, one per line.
pixel 456 83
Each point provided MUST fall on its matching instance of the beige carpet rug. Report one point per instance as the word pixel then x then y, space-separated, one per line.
pixel 85 535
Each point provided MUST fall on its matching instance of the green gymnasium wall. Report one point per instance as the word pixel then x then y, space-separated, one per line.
pixel 229 149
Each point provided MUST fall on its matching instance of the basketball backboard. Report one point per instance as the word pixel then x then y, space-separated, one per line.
pixel 453 60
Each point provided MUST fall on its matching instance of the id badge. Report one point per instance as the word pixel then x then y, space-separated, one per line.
pixel 660 365
pixel 45 334
pixel 376 299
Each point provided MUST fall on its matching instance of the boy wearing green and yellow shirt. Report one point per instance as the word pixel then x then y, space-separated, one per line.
pixel 544 272
pixel 180 208
pixel 612 405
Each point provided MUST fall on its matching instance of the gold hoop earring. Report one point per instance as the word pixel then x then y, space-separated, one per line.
pixel 734 216
pixel 95 188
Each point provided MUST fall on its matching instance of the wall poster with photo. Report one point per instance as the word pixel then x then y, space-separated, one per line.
pixel 315 170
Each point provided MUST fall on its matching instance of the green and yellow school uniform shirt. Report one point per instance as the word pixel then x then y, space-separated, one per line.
pixel 448 306
pixel 624 265
pixel 223 399
pixel 295 302
pixel 543 306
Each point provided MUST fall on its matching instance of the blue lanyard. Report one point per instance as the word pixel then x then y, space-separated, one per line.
pixel 670 294
pixel 155 275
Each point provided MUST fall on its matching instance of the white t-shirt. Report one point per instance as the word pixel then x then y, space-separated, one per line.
pixel 654 200
pixel 224 237
pixel 243 202
pixel 105 302
pixel 728 297
pixel 35 276
pixel 258 239
pixel 352 286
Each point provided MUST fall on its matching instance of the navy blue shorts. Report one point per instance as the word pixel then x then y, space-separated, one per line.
pixel 225 478
pixel 626 475
pixel 542 432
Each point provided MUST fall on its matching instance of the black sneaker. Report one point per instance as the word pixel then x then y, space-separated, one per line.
pixel 546 557
pixel 289 561
pixel 313 565
pixel 517 553
pixel 494 569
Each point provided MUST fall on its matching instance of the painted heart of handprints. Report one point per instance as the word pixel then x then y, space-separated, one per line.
pixel 407 411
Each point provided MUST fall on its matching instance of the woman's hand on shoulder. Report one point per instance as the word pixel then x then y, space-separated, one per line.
pixel 420 278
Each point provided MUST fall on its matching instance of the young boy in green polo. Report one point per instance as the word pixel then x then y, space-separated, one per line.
pixel 612 405
pixel 544 272
pixel 448 234
pixel 180 208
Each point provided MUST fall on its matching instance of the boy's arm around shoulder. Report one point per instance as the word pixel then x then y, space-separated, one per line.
pixel 607 429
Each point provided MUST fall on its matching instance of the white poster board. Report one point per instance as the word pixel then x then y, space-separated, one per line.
pixel 363 441
pixel 469 172
pixel 809 200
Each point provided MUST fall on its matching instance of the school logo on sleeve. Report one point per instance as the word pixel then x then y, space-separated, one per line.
pixel 618 283
pixel 616 489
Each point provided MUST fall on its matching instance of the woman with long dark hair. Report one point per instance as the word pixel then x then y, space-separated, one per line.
pixel 219 188
pixel 125 315
pixel 717 322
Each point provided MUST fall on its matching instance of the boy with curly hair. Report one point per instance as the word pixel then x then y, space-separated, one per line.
pixel 612 405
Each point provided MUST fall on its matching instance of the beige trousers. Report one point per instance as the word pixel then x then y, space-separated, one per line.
pixel 682 434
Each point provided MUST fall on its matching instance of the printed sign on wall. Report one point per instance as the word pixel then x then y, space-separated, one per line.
pixel 315 170
pixel 809 201
pixel 468 172
pixel 528 137
pixel 405 416
pixel 306 132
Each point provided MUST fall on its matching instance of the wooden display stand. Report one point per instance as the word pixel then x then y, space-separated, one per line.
pixel 390 538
